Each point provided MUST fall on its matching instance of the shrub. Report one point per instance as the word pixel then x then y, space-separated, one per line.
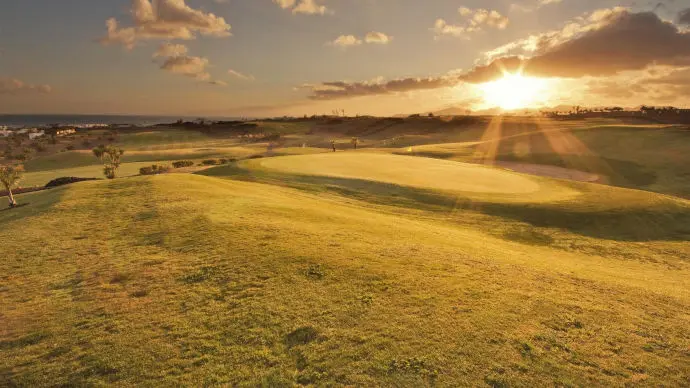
pixel 210 162
pixel 183 163
pixel 69 147
pixel 38 146
pixel 154 169
pixel 67 180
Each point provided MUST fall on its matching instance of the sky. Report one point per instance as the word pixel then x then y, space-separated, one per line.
pixel 367 57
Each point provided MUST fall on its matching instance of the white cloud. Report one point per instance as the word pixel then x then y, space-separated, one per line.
pixel 346 41
pixel 170 50
pixel 533 5
pixel 237 74
pixel 475 20
pixel 164 19
pixel 372 37
pixel 377 38
pixel 308 7
pixel 14 86
pixel 285 4
pixel 441 28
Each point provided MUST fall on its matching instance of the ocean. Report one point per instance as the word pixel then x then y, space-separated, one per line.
pixel 16 121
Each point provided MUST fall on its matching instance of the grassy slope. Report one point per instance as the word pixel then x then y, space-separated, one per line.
pixel 405 170
pixel 644 157
pixel 159 146
pixel 184 279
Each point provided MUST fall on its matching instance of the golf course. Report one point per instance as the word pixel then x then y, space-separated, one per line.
pixel 502 252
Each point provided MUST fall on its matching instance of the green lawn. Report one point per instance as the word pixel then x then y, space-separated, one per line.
pixel 252 276
pixel 647 157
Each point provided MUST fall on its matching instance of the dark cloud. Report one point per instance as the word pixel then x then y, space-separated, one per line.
pixel 610 42
pixel 684 17
pixel 628 41
pixel 341 89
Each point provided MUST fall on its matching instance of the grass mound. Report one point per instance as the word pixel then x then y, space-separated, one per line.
pixel 185 279
pixel 416 172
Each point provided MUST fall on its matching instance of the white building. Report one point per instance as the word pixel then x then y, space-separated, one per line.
pixel 36 134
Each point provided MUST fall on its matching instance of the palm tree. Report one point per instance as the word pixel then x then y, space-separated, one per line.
pixel 10 177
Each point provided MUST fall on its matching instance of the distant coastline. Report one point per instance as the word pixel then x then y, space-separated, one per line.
pixel 39 120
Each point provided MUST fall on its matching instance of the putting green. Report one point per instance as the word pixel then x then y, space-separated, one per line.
pixel 414 171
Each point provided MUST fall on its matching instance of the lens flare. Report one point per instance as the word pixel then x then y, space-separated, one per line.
pixel 514 91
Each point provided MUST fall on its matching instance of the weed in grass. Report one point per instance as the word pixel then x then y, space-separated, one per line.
pixel 412 365
pixel 199 276
pixel 140 293
pixel 301 336
pixel 315 271
pixel 120 277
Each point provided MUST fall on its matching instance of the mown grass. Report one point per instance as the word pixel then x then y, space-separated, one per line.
pixel 642 157
pixel 196 280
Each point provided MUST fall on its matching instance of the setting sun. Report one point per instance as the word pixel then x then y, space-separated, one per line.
pixel 514 91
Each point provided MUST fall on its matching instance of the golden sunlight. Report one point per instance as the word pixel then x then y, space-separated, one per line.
pixel 514 91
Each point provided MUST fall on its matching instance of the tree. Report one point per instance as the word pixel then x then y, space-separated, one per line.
pixel 10 177
pixel 111 157
pixel 355 142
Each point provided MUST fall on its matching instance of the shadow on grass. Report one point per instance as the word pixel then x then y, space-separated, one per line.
pixel 620 172
pixel 665 219
pixel 14 208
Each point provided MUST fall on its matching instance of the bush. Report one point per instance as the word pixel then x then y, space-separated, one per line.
pixel 154 170
pixel 69 147
pixel 183 163
pixel 210 162
pixel 67 180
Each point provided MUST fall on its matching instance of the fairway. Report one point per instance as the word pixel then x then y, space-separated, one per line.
pixel 411 171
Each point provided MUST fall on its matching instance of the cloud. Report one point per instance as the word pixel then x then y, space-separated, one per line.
pixel 194 67
pixel 175 59
pixel 170 50
pixel 475 20
pixel 345 41
pixel 441 28
pixel 285 4
pixel 164 19
pixel 661 84
pixel 377 38
pixel 533 5
pixel 239 75
pixel 341 89
pixel 308 7
pixel 13 86
pixel 684 17
pixel 611 41
pixel 607 43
